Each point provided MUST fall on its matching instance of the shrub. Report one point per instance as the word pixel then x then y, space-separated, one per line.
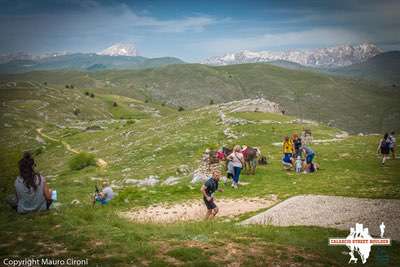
pixel 71 86
pixel 92 95
pixel 81 161
pixel 211 102
pixel 87 93
pixel 181 109
pixel 115 104
pixel 77 111
pixel 146 100
pixel 67 86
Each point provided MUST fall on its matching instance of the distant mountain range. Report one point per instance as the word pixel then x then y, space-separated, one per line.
pixel 86 62
pixel 338 56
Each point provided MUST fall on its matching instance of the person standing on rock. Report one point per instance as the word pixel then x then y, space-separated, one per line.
pixel 384 148
pixel 208 189
pixel 238 162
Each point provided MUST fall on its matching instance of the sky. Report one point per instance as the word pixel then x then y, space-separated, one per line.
pixel 195 30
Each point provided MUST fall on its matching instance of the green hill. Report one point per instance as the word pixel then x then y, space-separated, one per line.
pixel 354 105
pixel 139 139
pixel 92 62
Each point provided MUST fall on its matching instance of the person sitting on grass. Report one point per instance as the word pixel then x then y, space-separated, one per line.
pixel 32 191
pixel 105 195
pixel 208 190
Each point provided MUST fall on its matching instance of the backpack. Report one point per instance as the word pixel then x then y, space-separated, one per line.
pixel 385 144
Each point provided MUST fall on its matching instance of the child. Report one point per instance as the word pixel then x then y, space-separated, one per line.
pixel 299 164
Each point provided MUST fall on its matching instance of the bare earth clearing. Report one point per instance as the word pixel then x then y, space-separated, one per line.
pixel 196 210
pixel 334 212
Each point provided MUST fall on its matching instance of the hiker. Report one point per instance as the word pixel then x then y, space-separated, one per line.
pixel 105 195
pixel 238 162
pixel 32 191
pixel 310 154
pixel 299 164
pixel 296 145
pixel 230 170
pixel 208 189
pixel 288 147
pixel 393 144
pixel 384 148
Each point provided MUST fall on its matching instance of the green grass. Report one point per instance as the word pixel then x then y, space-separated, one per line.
pixel 81 161
pixel 351 104
pixel 154 145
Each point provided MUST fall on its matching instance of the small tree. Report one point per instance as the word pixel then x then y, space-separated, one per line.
pixel 211 102
pixel 393 85
pixel 181 109
pixel 92 95
pixel 115 104
pixel 163 104
pixel 67 86
pixel 71 86
pixel 76 111
pixel 87 93
pixel 45 83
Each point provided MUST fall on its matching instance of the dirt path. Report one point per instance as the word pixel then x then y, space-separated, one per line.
pixel 334 212
pixel 100 162
pixel 196 210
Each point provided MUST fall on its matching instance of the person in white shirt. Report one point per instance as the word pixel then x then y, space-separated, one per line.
pixel 238 162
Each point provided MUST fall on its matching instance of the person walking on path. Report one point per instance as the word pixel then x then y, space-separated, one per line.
pixel 384 148
pixel 208 190
pixel 238 162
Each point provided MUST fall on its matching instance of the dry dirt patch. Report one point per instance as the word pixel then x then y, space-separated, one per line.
pixel 195 210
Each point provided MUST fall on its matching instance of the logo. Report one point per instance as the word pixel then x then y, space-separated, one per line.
pixel 360 241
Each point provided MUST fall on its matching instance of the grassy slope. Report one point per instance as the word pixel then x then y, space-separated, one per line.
pixel 157 145
pixel 354 105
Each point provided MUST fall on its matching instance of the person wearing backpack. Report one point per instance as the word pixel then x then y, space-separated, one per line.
pixel 384 148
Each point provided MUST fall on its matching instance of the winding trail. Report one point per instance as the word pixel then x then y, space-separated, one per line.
pixel 100 162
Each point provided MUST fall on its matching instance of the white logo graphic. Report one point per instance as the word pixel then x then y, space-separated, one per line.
pixel 359 240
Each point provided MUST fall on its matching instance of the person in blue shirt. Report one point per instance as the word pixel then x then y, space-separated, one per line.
pixel 208 190
pixel 310 154
pixel 287 161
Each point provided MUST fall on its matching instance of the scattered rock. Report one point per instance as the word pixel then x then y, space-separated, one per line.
pixel 75 202
pixel 183 169
pixel 171 180
pixel 152 180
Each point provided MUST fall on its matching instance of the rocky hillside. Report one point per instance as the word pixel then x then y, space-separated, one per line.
pixel 343 55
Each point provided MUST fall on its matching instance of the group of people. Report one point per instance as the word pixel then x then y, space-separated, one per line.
pixel 386 146
pixel 294 148
pixel 33 194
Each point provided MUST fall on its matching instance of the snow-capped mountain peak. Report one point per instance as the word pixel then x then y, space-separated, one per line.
pixel 120 49
pixel 342 55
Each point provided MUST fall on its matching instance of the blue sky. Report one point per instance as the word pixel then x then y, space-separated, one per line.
pixel 194 30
